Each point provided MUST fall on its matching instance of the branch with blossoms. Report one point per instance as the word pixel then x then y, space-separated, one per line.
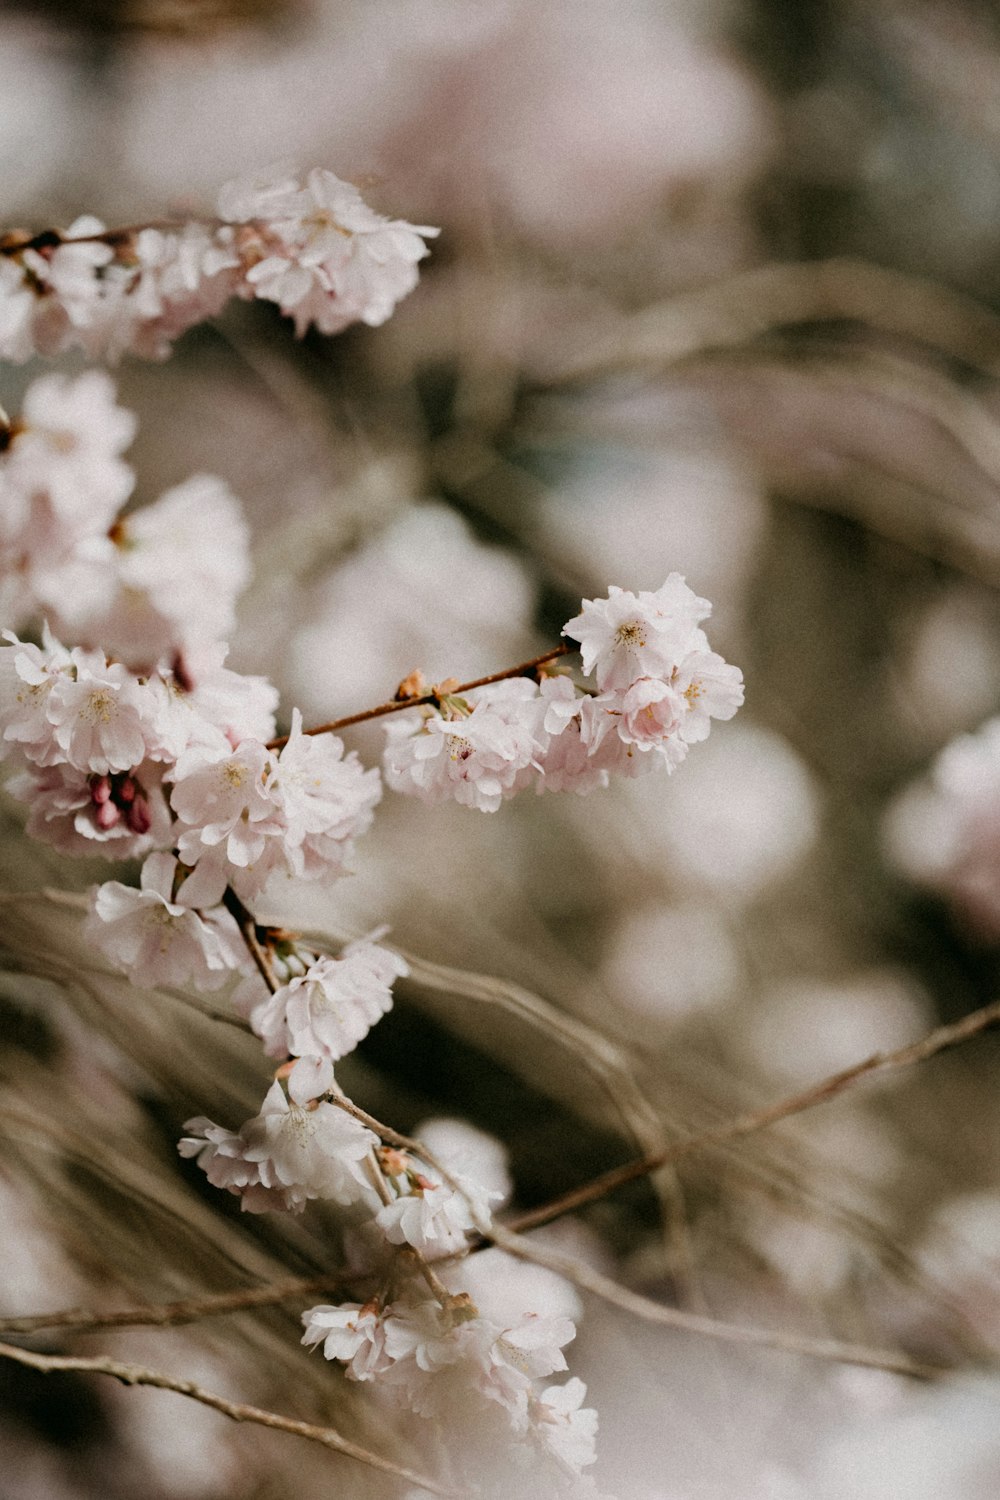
pixel 311 245
pixel 129 737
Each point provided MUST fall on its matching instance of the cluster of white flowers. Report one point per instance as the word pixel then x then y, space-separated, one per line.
pixel 658 687
pixel 138 740
pixel 434 1360
pixel 311 245
pixel 161 579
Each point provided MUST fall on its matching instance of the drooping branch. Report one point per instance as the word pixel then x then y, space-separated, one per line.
pixel 739 1333
pixel 237 1411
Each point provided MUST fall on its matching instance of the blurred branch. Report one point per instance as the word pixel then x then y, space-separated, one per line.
pixel 734 311
pixel 879 1063
pixel 657 1312
pixel 237 1411
pixel 185 1310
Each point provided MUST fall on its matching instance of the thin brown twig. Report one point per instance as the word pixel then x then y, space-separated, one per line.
pixel 247 924
pixel 746 1124
pixel 396 705
pixel 236 1410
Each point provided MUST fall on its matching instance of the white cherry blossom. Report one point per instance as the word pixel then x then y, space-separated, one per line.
pixel 321 1015
pixel 325 257
pixel 434 1219
pixel 626 635
pixel 564 1426
pixel 350 1333
pixel 313 246
pixel 478 751
pixel 155 937
pixel 711 689
pixel 286 1155
pixel 223 802
pixel 327 801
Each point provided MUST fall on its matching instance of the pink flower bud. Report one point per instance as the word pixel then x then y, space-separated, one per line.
pixel 106 815
pixel 138 815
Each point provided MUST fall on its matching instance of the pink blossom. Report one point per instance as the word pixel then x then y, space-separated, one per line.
pixel 478 751
pixel 626 636
pixel 123 815
pixel 321 1015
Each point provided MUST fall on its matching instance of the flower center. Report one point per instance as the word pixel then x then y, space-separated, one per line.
pixel 630 634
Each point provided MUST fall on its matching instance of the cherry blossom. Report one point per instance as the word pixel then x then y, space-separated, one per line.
pixel 478 750
pixel 325 257
pixel 327 801
pixel 252 812
pixel 313 246
pixel 321 1015
pixel 123 815
pixel 351 1333
pixel 711 689
pixel 433 1218
pixel 154 935
pixel 627 636
pixel 944 832
pixel 286 1155
pixel 165 579
pixel 564 1426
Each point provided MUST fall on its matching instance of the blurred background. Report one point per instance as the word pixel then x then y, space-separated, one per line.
pixel 717 291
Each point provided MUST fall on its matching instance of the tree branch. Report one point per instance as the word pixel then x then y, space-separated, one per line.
pixel 396 705
pixel 935 1041
pixel 185 1310
pixel 237 1411
pixel 738 1333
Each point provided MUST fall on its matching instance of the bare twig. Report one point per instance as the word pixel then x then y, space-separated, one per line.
pixel 396 705
pixel 247 924
pixel 738 1333
pixel 936 1041
pixel 236 1410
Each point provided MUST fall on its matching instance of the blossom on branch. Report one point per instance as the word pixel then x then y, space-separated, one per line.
pixel 285 1156
pixel 156 937
pixel 311 245
pixel 321 1015
pixel 248 812
pixel 477 750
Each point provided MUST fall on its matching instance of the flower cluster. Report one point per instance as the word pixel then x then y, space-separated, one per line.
pixel 658 687
pixel 137 741
pixel 433 1361
pixel 286 1155
pixel 311 245
pixel 161 580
